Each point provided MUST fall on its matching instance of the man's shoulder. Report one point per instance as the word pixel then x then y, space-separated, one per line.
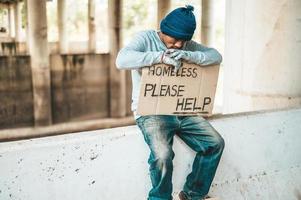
pixel 146 33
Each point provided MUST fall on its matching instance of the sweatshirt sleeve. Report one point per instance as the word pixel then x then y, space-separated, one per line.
pixel 134 55
pixel 206 55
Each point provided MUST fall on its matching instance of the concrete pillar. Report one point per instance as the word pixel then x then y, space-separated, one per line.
pixel 91 24
pixel 117 77
pixel 38 49
pixel 11 23
pixel 207 21
pixel 18 21
pixel 262 55
pixel 62 26
pixel 26 26
pixel 162 10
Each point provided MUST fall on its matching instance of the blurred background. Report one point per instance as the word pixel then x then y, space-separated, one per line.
pixel 57 58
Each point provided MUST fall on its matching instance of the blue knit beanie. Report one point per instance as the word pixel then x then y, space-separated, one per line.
pixel 179 23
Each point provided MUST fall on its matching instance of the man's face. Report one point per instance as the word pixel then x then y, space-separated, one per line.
pixel 172 43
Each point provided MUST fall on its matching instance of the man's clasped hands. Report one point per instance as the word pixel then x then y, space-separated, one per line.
pixel 175 57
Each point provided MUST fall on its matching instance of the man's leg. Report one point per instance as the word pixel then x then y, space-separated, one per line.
pixel 199 135
pixel 158 132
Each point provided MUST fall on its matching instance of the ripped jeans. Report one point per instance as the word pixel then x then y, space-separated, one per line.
pixel 158 132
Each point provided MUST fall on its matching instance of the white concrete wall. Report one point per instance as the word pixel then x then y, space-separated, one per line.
pixel 262 55
pixel 261 161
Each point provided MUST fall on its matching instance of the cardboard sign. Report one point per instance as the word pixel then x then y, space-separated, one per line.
pixel 190 91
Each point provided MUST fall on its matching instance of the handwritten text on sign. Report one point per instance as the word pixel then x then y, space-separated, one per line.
pixel 186 92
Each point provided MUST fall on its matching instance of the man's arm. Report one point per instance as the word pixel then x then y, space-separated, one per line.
pixel 207 55
pixel 134 56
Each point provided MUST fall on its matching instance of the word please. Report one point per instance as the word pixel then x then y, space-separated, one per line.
pixel 155 90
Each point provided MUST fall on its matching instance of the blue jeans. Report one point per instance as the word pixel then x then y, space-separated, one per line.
pixel 158 132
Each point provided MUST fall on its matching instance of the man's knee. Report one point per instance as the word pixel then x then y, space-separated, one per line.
pixel 164 155
pixel 218 143
pixel 221 143
pixel 167 154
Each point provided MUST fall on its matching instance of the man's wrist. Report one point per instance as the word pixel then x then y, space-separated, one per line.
pixel 158 57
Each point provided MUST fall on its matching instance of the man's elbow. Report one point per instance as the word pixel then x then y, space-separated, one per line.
pixel 119 62
pixel 219 58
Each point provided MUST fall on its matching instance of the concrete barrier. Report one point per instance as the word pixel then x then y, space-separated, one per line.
pixel 261 161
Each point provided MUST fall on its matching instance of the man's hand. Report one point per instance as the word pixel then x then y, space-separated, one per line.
pixel 189 56
pixel 166 59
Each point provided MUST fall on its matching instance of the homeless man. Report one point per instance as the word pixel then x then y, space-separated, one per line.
pixel 172 45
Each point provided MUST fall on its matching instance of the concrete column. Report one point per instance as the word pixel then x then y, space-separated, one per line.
pixel 18 21
pixel 92 28
pixel 62 26
pixel 38 49
pixel 26 25
pixel 207 29
pixel 162 10
pixel 11 23
pixel 262 55
pixel 117 77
